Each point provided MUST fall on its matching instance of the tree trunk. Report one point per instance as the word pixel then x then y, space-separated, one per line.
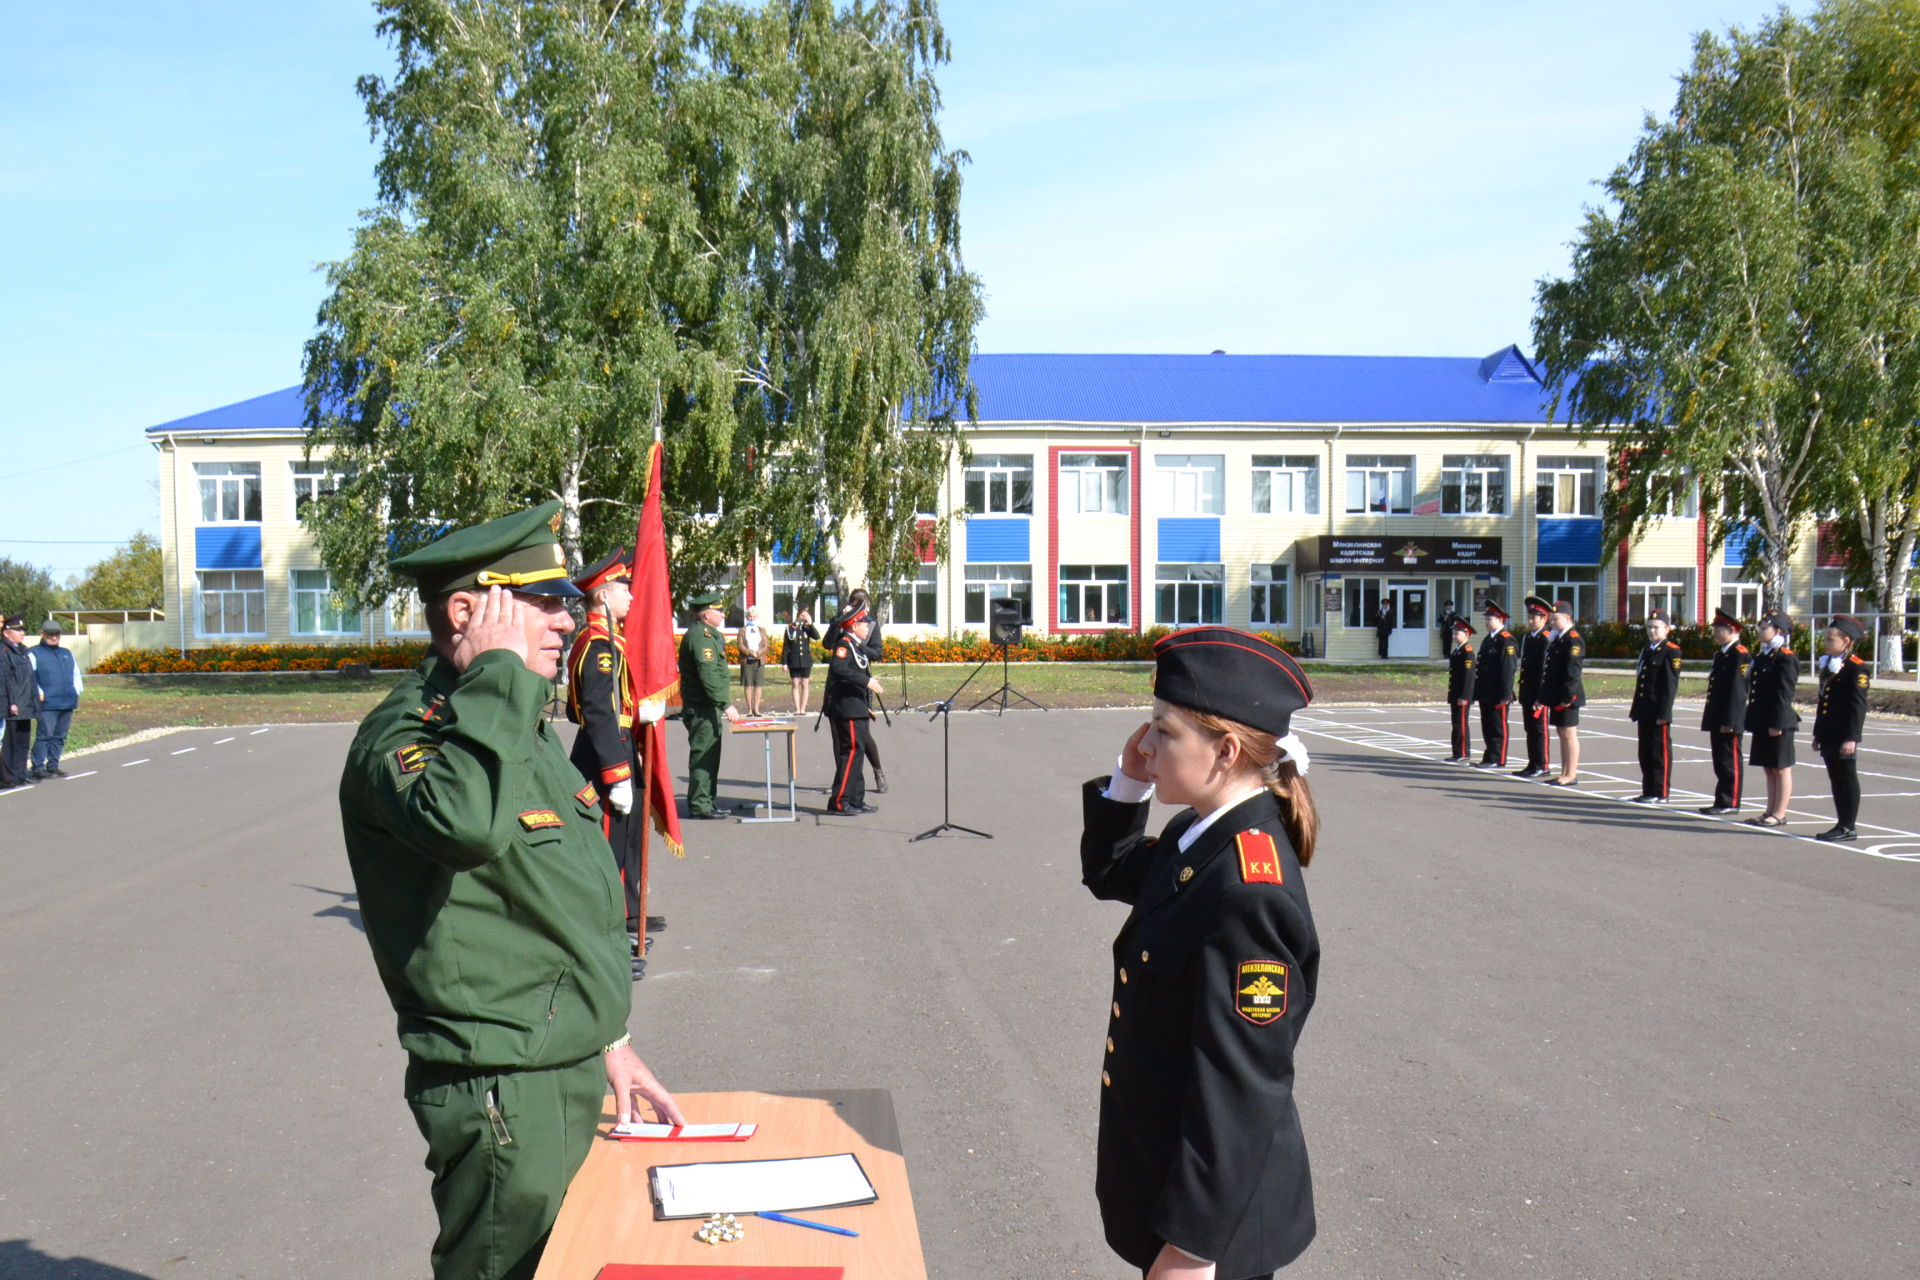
pixel 570 508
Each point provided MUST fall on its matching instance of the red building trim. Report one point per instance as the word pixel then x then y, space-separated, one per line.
pixel 1132 452
pixel 1700 613
pixel 1620 583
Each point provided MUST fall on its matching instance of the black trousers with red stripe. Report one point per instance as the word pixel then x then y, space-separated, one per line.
pixel 1539 736
pixel 848 790
pixel 1461 747
pixel 1656 758
pixel 1726 770
pixel 1493 733
pixel 622 831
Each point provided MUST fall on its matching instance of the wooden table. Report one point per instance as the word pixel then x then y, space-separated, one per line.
pixel 766 728
pixel 608 1216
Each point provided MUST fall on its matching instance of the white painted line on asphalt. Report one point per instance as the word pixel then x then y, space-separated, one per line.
pixel 221 740
pixel 182 751
pixel 256 733
pixel 130 763
pixel 77 776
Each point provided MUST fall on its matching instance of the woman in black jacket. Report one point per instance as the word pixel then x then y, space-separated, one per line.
pixel 1202 1166
pixel 1771 716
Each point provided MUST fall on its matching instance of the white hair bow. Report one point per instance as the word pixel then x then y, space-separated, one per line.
pixel 1291 748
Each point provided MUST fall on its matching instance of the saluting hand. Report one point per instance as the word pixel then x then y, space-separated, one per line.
pixel 1133 762
pixel 495 623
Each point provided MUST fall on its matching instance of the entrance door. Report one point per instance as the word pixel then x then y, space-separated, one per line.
pixel 1409 638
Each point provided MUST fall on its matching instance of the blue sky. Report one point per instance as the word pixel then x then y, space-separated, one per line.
pixel 1367 178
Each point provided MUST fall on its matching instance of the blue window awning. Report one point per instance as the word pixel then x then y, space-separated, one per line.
pixel 226 546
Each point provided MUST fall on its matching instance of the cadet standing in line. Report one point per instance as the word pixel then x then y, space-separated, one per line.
pixel 1493 686
pixel 600 701
pixel 1725 716
pixel 1202 1168
pixel 1533 711
pixel 489 901
pixel 1655 683
pixel 849 714
pixel 1459 687
pixel 1772 716
pixel 1838 721
pixel 706 698
pixel 1562 690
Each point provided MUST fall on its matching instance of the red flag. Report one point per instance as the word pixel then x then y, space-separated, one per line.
pixel 653 660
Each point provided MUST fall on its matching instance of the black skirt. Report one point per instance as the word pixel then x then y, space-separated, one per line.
pixel 1770 752
pixel 1567 717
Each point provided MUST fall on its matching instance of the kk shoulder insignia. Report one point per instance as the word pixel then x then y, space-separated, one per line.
pixel 585 795
pixel 1260 994
pixel 537 819
pixel 1259 860
pixel 415 756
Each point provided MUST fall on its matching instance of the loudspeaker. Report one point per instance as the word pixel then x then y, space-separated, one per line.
pixel 1003 621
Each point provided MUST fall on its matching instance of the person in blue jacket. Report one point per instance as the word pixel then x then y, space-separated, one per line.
pixel 60 684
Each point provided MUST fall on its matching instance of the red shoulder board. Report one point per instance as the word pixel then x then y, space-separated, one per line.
pixel 1787 651
pixel 535 819
pixel 1259 860
pixel 1738 647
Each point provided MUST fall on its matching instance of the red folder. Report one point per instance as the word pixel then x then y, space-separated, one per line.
pixel 700 1271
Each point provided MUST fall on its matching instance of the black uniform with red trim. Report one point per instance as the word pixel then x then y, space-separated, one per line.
pixel 1459 690
pixel 1214 974
pixel 849 716
pixel 1561 687
pixel 1725 718
pixel 1654 686
pixel 600 701
pixel 1499 660
pixel 1840 717
pixel 1533 712
pixel 1776 673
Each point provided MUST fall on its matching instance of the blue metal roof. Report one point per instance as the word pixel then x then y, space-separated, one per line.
pixel 1502 387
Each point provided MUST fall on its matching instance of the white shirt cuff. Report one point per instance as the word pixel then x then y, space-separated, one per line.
pixel 1127 790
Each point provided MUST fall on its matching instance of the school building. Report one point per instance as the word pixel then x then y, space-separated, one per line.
pixel 1295 494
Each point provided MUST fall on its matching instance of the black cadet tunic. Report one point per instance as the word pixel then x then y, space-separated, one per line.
pixel 1770 706
pixel 1656 683
pixel 1460 673
pixel 1499 658
pixel 1727 682
pixel 1214 974
pixel 1560 684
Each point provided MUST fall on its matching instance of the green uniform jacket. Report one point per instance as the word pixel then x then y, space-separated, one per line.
pixel 492 908
pixel 704 678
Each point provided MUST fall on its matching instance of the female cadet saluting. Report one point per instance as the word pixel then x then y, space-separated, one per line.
pixel 1202 1167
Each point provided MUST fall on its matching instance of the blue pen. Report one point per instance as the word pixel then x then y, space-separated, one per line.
pixel 802 1222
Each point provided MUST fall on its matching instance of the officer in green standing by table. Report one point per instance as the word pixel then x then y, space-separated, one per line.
pixel 490 901
pixel 706 698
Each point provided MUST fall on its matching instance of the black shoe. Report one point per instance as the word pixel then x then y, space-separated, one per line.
pixel 1457 760
pixel 879 783
pixel 1563 782
pixel 1833 835
pixel 57 772
pixel 1487 764
pixel 656 924
pixel 1529 773
pixel 639 968
pixel 714 816
pixel 1648 800
pixel 36 775
pixel 1716 810
pixel 853 810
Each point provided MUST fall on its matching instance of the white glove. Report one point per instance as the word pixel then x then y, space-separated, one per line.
pixel 648 712
pixel 620 796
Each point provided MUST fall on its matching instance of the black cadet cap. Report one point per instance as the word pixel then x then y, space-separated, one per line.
pixel 1536 605
pixel 1659 615
pixel 521 552
pixel 1781 622
pixel 14 622
pixel 1721 618
pixel 1849 626
pixel 1493 610
pixel 1459 623
pixel 1563 606
pixel 852 614
pixel 1231 674
pixel 616 566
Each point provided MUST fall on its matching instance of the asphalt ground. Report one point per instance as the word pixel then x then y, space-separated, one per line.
pixel 1556 1036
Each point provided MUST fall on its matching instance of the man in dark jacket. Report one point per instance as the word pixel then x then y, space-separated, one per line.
pixel 1459 687
pixel 1562 690
pixel 1655 682
pixel 19 697
pixel 1725 716
pixel 1493 686
pixel 1839 718
pixel 1533 712
pixel 848 712
pixel 57 677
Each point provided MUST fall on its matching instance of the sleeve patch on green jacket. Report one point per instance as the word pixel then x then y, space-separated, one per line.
pixel 415 756
pixel 537 819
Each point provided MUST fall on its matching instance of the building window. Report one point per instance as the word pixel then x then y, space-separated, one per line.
pixel 1189 594
pixel 317 609
pixel 312 480
pixel 986 582
pixel 1363 602
pixel 1272 595
pixel 1473 485
pixel 1379 483
pixel 1741 599
pixel 233 602
pixel 1093 595
pixel 915 600
pixel 1452 595
pixel 1000 484
pixel 794 589
pixel 1832 595
pixel 406 615
pixel 1094 483
pixel 1579 585
pixel 229 492
pixel 1655 588
pixel 1567 486
pixel 1189 484
pixel 1285 486
pixel 1683 504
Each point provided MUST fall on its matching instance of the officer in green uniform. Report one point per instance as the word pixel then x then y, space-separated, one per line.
pixel 490 901
pixel 706 692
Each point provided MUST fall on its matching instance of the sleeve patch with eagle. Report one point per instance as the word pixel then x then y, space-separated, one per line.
pixel 1260 991
pixel 415 756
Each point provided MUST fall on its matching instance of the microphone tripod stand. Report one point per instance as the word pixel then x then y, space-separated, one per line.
pixel 944 712
pixel 1006 689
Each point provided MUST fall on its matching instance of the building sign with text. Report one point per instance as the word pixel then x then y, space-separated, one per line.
pixel 1339 553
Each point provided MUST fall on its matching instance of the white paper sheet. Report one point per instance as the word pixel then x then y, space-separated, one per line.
pixel 748 1186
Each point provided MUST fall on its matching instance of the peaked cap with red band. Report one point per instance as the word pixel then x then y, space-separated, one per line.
pixel 617 567
pixel 1721 618
pixel 1493 610
pixel 1536 605
pixel 1235 675
pixel 850 617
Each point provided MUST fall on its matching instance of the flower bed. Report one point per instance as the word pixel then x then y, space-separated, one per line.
pixel 260 657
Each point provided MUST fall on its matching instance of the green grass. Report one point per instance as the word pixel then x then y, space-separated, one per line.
pixel 115 706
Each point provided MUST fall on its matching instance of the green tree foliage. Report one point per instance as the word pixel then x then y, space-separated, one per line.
pixel 30 591
pixel 132 577
pixel 736 227
pixel 1743 310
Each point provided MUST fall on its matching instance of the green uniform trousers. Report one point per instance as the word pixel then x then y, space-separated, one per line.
pixel 703 754
pixel 497 1199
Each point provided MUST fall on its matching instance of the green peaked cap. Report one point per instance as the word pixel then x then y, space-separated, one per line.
pixel 521 552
